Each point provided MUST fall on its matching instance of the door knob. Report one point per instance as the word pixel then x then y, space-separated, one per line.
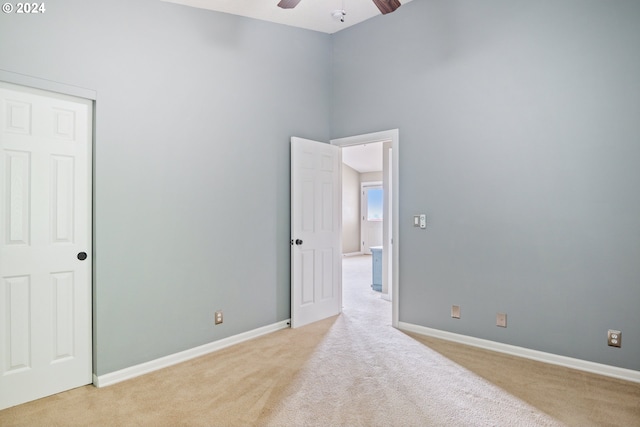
pixel 82 256
pixel 298 242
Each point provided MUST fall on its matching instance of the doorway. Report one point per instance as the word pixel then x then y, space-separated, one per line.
pixel 389 143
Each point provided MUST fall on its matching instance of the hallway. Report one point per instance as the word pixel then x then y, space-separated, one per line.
pixel 357 295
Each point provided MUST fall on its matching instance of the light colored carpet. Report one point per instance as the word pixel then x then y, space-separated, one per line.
pixel 349 370
pixel 366 373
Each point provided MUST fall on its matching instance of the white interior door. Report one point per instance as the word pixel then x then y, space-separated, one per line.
pixel 45 243
pixel 316 214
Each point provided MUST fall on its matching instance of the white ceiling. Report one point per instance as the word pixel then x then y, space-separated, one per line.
pixel 310 14
pixel 363 158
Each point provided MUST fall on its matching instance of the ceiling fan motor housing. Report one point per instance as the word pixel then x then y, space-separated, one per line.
pixel 385 6
pixel 339 14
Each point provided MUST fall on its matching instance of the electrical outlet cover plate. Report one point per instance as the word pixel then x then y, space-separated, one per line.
pixel 501 320
pixel 455 311
pixel 614 338
pixel 218 317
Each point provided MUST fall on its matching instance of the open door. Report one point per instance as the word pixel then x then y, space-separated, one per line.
pixel 316 215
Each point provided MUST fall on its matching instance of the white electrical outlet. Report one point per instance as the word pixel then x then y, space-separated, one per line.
pixel 614 338
pixel 423 221
pixel 218 317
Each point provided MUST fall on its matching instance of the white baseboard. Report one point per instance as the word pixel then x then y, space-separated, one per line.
pixel 540 356
pixel 352 254
pixel 183 356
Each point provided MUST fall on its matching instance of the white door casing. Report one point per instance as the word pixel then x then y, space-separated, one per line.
pixel 45 223
pixel 316 215
pixel 387 253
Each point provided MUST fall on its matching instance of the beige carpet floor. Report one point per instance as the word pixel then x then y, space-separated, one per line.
pixel 349 370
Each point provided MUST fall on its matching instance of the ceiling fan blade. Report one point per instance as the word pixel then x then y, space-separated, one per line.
pixel 386 6
pixel 288 4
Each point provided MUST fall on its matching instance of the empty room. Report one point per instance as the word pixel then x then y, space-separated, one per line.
pixel 171 225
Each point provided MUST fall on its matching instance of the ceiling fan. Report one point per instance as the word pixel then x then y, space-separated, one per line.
pixel 385 6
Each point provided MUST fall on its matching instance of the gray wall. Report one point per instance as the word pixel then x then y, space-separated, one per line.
pixel 350 210
pixel 194 113
pixel 520 133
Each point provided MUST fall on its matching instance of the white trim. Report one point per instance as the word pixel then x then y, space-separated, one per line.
pixel 540 356
pixel 48 85
pixel 183 356
pixel 352 254
pixel 392 135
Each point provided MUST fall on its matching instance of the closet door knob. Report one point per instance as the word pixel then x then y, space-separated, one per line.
pixel 298 242
pixel 82 256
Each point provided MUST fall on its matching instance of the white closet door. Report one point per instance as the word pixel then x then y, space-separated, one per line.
pixel 45 243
